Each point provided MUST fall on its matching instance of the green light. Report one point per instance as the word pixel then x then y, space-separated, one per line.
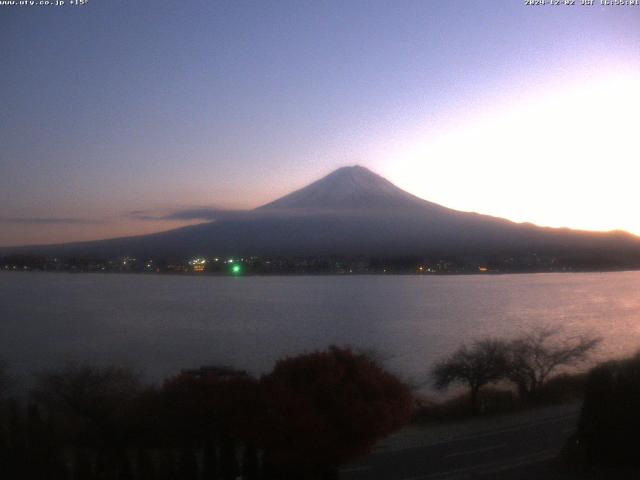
pixel 236 270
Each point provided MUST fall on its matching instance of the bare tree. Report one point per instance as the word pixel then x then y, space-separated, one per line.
pixel 482 363
pixel 533 357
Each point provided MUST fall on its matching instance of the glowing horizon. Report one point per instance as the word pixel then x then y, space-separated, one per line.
pixel 562 159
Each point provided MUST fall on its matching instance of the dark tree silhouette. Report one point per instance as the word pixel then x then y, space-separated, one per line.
pixel 94 402
pixel 93 407
pixel 209 409
pixel 167 466
pixel 250 465
pixel 209 460
pixel 5 454
pixel 17 441
pixel 5 380
pixel 38 449
pixel 533 357
pixel 195 409
pixel 229 469
pixel 610 417
pixel 187 464
pixel 82 467
pixel 482 363
pixel 144 465
pixel 327 408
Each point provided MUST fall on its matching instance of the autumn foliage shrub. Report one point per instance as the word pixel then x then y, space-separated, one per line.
pixel 327 408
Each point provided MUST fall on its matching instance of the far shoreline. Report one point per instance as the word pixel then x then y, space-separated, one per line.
pixel 328 274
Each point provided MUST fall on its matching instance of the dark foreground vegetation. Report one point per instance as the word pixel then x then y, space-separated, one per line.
pixel 311 414
pixel 509 375
pixel 606 440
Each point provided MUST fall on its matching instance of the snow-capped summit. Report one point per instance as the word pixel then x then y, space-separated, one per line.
pixel 348 188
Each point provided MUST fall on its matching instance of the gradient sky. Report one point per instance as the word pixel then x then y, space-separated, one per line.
pixel 529 113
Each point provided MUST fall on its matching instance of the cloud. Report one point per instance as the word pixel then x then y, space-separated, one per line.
pixel 199 213
pixel 210 214
pixel 50 221
pixel 196 213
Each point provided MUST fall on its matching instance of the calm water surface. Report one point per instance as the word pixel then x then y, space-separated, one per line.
pixel 161 324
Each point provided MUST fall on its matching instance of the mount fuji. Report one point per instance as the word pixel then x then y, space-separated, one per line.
pixel 353 211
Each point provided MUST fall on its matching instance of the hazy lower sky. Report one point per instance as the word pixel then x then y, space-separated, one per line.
pixel 529 113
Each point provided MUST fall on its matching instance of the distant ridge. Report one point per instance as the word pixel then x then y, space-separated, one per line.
pixel 353 211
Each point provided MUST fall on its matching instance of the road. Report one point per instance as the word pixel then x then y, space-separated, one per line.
pixel 517 446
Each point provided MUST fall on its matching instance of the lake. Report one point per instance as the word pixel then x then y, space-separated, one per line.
pixel 161 323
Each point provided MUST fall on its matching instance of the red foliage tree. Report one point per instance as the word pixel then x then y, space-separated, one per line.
pixel 198 408
pixel 327 408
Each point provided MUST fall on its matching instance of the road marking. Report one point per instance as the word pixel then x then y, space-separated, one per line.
pixel 522 461
pixel 522 426
pixel 477 450
pixel 490 467
pixel 490 433
pixel 356 469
